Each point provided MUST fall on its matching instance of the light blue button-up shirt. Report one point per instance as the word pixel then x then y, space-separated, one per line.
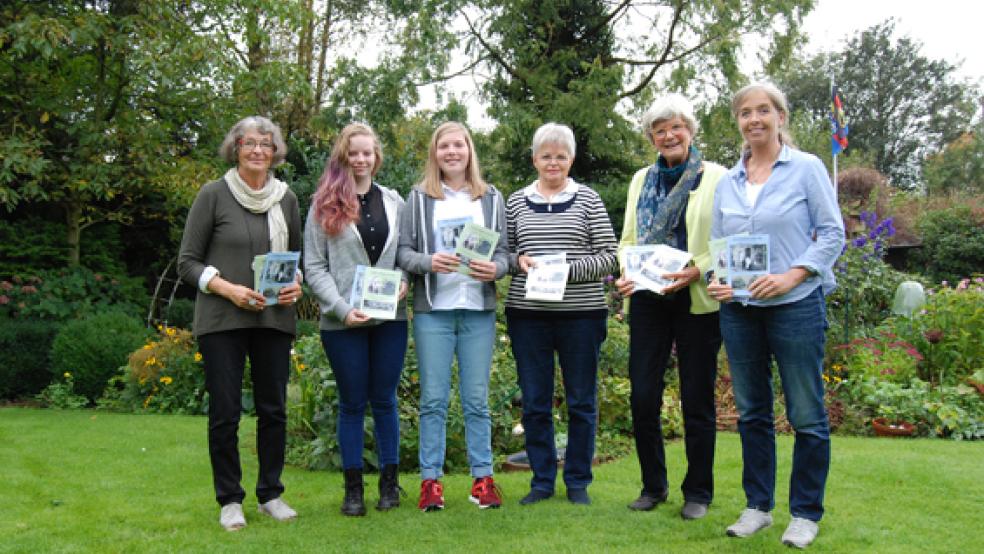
pixel 797 201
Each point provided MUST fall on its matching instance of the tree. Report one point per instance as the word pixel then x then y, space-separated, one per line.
pixel 959 167
pixel 901 106
pixel 95 105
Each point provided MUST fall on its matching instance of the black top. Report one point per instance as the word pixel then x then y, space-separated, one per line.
pixel 372 223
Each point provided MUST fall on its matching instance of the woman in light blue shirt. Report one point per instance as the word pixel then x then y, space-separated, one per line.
pixel 786 194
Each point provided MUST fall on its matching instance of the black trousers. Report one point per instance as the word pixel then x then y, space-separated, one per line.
pixel 224 354
pixel 655 323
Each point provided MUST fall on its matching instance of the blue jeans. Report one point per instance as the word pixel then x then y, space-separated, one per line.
pixel 577 343
pixel 793 334
pixel 438 336
pixel 367 362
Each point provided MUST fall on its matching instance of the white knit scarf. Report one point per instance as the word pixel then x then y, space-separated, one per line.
pixel 266 200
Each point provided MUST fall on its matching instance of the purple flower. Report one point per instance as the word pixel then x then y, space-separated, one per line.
pixel 859 242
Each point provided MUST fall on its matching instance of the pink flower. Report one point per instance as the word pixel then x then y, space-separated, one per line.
pixel 888 371
pixel 4 300
pixel 99 277
pixel 29 289
pixel 934 335
pixel 963 284
pixel 6 285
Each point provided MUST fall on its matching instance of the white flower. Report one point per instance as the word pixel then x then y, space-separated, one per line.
pixel 518 430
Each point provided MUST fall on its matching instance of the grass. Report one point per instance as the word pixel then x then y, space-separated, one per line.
pixel 85 481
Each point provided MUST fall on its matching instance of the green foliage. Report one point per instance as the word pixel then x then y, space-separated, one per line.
pixel 181 313
pixel 33 243
pixel 65 294
pixel 959 167
pixel 60 395
pixel 900 104
pixel 24 346
pixel 92 349
pixel 952 243
pixel 886 357
pixel 165 375
pixel 948 411
pixel 949 331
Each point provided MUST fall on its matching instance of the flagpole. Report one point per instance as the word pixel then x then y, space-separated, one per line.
pixel 834 153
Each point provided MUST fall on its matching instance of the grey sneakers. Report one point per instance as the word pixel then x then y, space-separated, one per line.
pixel 277 509
pixel 800 532
pixel 750 522
pixel 693 510
pixel 231 517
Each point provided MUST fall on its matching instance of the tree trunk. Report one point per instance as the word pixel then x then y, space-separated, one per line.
pixel 73 223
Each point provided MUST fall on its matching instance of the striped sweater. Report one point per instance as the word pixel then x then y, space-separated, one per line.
pixel 579 227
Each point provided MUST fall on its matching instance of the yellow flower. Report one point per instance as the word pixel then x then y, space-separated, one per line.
pixel 148 346
pixel 67 375
pixel 170 331
pixel 198 356
pixel 150 361
pixel 301 367
pixel 146 402
pixel 167 380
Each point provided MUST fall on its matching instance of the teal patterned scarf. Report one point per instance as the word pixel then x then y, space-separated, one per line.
pixel 659 210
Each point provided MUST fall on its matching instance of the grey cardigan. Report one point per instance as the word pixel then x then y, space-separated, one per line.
pixel 330 261
pixel 221 233
pixel 415 252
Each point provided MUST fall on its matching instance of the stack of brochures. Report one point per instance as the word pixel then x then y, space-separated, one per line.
pixel 547 280
pixel 376 291
pixel 274 271
pixel 737 261
pixel 647 264
pixel 475 243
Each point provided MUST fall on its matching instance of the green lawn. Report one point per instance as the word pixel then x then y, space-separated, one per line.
pixel 99 482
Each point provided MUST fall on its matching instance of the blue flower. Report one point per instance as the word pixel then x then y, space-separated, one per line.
pixel 859 242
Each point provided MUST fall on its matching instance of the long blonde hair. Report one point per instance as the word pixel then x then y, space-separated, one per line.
pixel 778 101
pixel 431 182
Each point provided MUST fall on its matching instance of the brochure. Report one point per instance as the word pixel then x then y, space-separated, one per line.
pixel 664 259
pixel 548 259
pixel 274 271
pixel 635 257
pixel 448 233
pixel 748 259
pixel 376 292
pixel 718 273
pixel 475 243
pixel 547 281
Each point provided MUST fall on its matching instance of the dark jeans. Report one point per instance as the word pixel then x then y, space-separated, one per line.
pixel 794 335
pixel 224 354
pixel 577 342
pixel 655 323
pixel 367 362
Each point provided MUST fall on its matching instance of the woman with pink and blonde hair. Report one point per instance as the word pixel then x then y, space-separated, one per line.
pixel 354 221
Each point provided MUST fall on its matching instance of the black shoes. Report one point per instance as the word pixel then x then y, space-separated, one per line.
pixel 647 501
pixel 534 496
pixel 389 488
pixel 579 496
pixel 354 503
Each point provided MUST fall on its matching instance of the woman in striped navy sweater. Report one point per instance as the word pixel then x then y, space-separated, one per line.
pixel 556 215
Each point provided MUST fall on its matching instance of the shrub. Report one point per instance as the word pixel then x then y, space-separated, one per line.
pixel 181 313
pixel 92 349
pixel 884 356
pixel 165 375
pixel 952 243
pixel 24 347
pixel 866 284
pixel 61 395
pixel 947 411
pixel 65 294
pixel 949 331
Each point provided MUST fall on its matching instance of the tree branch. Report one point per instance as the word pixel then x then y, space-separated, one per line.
pixel 492 52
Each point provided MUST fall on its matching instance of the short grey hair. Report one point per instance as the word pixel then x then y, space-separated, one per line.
pixel 554 133
pixel 229 151
pixel 666 108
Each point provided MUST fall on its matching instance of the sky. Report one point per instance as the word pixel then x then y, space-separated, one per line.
pixel 947 29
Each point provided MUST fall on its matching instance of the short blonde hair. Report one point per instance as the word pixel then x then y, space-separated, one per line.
pixel 229 151
pixel 666 108
pixel 554 133
pixel 431 183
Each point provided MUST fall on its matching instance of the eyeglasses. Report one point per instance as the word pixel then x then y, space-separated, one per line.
pixel 251 145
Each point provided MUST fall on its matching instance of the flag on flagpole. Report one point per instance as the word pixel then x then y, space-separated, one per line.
pixel 838 122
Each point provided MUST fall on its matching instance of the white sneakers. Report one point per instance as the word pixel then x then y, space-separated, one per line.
pixel 800 532
pixel 750 522
pixel 277 509
pixel 231 516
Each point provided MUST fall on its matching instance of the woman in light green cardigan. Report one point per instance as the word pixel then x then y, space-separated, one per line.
pixel 670 203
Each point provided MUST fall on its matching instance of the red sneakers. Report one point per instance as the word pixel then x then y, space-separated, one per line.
pixel 485 493
pixel 431 495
